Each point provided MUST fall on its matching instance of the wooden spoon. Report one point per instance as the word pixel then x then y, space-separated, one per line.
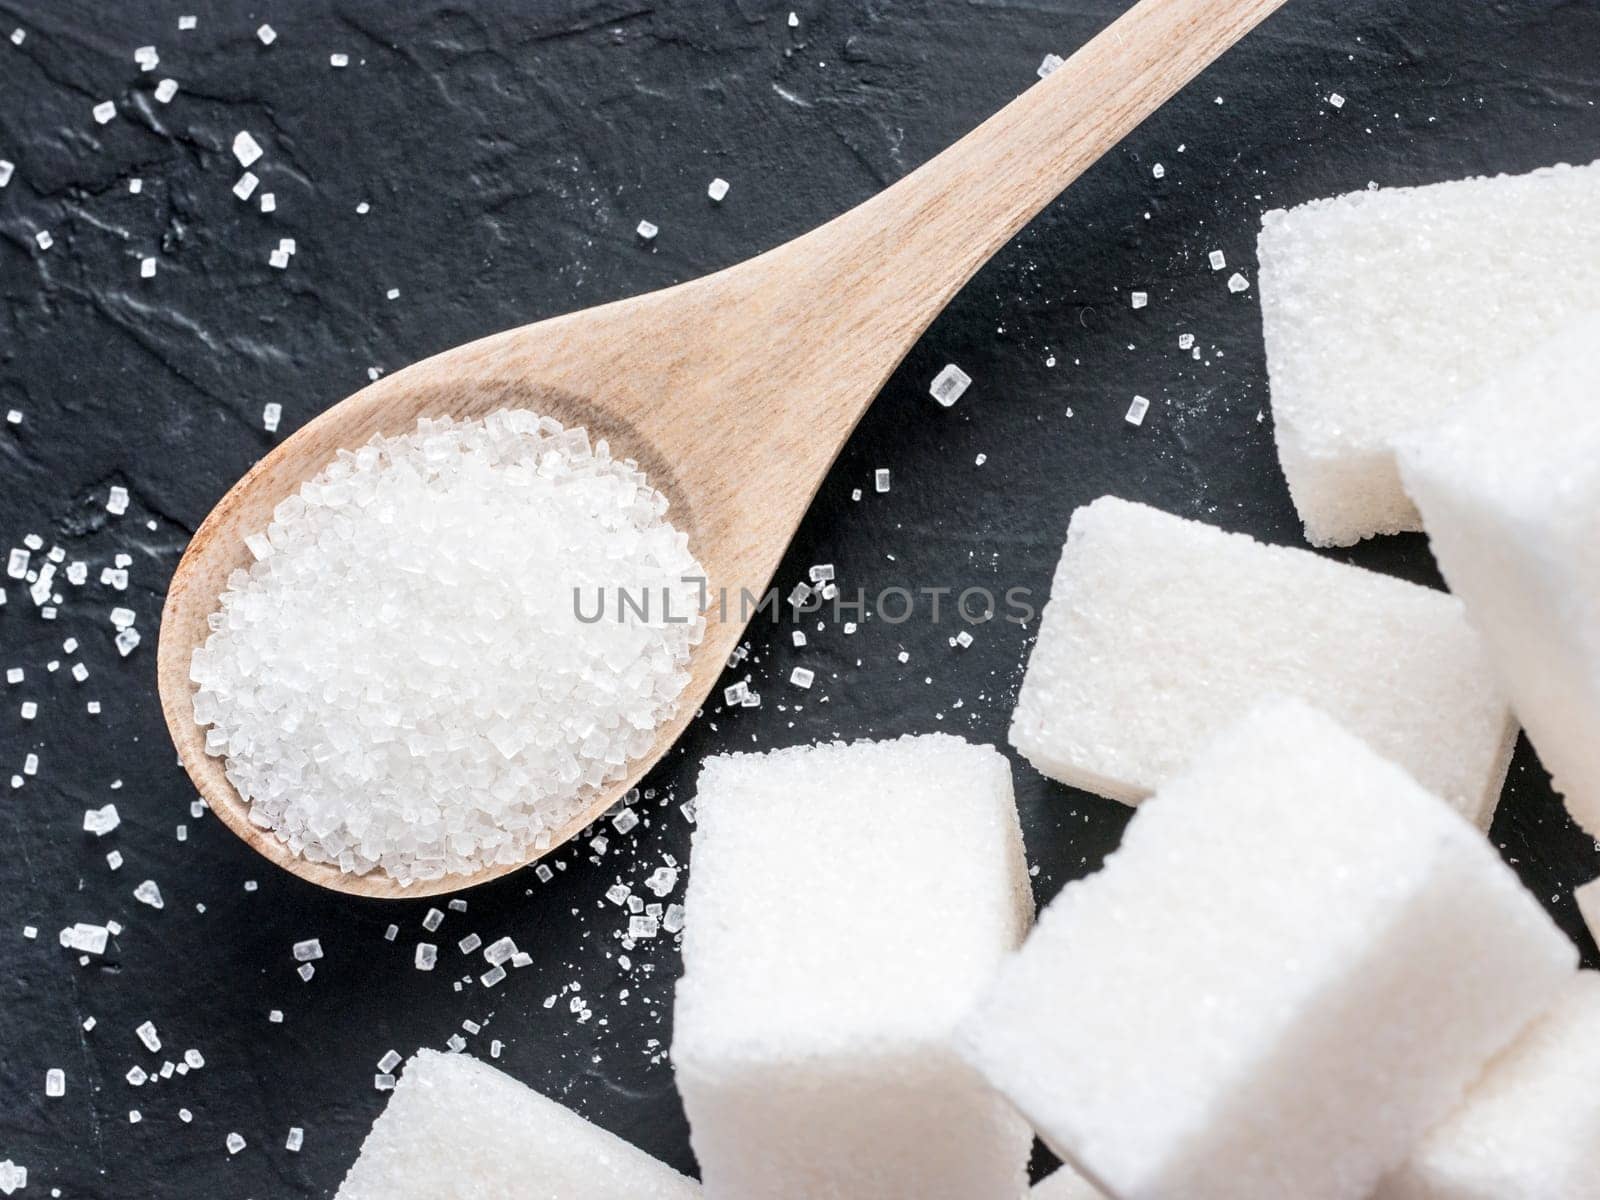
pixel 734 392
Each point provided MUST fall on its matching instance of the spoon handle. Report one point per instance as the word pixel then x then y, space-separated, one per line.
pixel 915 244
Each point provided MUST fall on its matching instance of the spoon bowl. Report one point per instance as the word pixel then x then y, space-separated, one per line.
pixel 735 392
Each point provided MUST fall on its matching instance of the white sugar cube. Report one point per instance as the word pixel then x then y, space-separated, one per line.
pixel 949 385
pixel 1065 1184
pixel 1295 964
pixel 456 1127
pixel 1509 489
pixel 812 1029
pixel 1530 1127
pixel 1160 630
pixel 717 190
pixel 104 111
pixel 1382 308
pixel 1588 898
pixel 245 148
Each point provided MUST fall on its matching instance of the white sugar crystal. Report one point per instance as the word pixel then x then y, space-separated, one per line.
pixel 126 641
pixel 1238 283
pixel 147 268
pixel 13 1176
pixel 432 919
pixel 1065 1184
pixel 147 1034
pixel 504 531
pixel 296 1139
pixel 717 190
pixel 104 111
pixel 235 1143
pixel 88 939
pixel 149 893
pixel 278 259
pixel 427 955
pixel 1160 630
pixel 647 230
pixel 7 167
pixel 101 821
pixel 456 1127
pixel 114 860
pixel 949 385
pixel 801 677
pixel 308 950
pixel 841 1081
pixel 271 414
pixel 45 239
pixel 1527 1129
pixel 269 202
pixel 1509 489
pixel 1335 99
pixel 246 185
pixel 880 479
pixel 267 34
pixel 1383 309
pixel 1140 299
pixel 338 60
pixel 245 148
pixel 188 22
pixel 137 1076
pixel 1158 171
pixel 55 1082
pixel 1291 929
pixel 1186 341
pixel 117 500
pixel 498 951
pixel 1137 410
pixel 166 90
pixel 390 1060
pixel 1049 65
pixel 1218 260
pixel 735 693
pixel 147 58
pixel 469 943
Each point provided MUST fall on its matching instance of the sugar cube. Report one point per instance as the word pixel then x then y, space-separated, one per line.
pixel 1382 308
pixel 457 1127
pixel 1588 897
pixel 1065 1184
pixel 812 1029
pixel 1509 489
pixel 1160 630
pixel 1295 964
pixel 949 385
pixel 1528 1128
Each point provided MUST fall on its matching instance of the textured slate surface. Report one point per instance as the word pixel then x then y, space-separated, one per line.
pixel 507 150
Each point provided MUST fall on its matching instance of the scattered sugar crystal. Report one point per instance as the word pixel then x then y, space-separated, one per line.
pixel 187 22
pixel 880 479
pixel 305 971
pixel 391 933
pixel 1509 487
pixel 1238 283
pixel 45 239
pixel 427 955
pixel 270 416
pixel 147 58
pixel 1185 341
pixel 1137 410
pixel 469 943
pixel 278 259
pixel 1169 1025
pixel 1218 260
pixel 114 860
pixel 526 519
pixel 963 639
pixel 14 1176
pixel 245 148
pixel 432 919
pixel 1440 288
pixel 794 20
pixel 390 1060
pixel 499 951
pixel 296 1139
pixel 735 694
pixel 717 190
pixel 797 637
pixel 55 1082
pixel 166 90
pixel 801 677
pixel 662 880
pixel 148 893
pixel 126 641
pixel 842 1080
pixel 6 169
pixel 646 230
pixel 949 385
pixel 383 1083
pixel 30 764
pixel 308 950
pixel 147 268
pixel 246 185
pixel 267 34
pixel 137 1076
pixel 1336 100
pixel 135 185
pixel 338 60
pixel 1158 171
pixel 117 500
pixel 625 821
pixel 457 905
pixel 495 1046
pixel 1140 299
pixel 1159 630
pixel 147 1034
pixel 269 202
pixel 1049 65
pixel 101 821
pixel 275 1016
pixel 122 618
pixel 235 1143
pixel 104 111
pixel 492 976
pixel 640 927
pixel 193 1059
pixel 457 1127
pixel 29 710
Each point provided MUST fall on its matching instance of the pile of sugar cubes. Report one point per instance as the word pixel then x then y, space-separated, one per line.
pixel 1305 973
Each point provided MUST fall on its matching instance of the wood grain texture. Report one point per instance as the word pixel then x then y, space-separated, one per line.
pixel 734 392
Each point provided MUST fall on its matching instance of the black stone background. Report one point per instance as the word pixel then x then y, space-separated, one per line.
pixel 508 150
